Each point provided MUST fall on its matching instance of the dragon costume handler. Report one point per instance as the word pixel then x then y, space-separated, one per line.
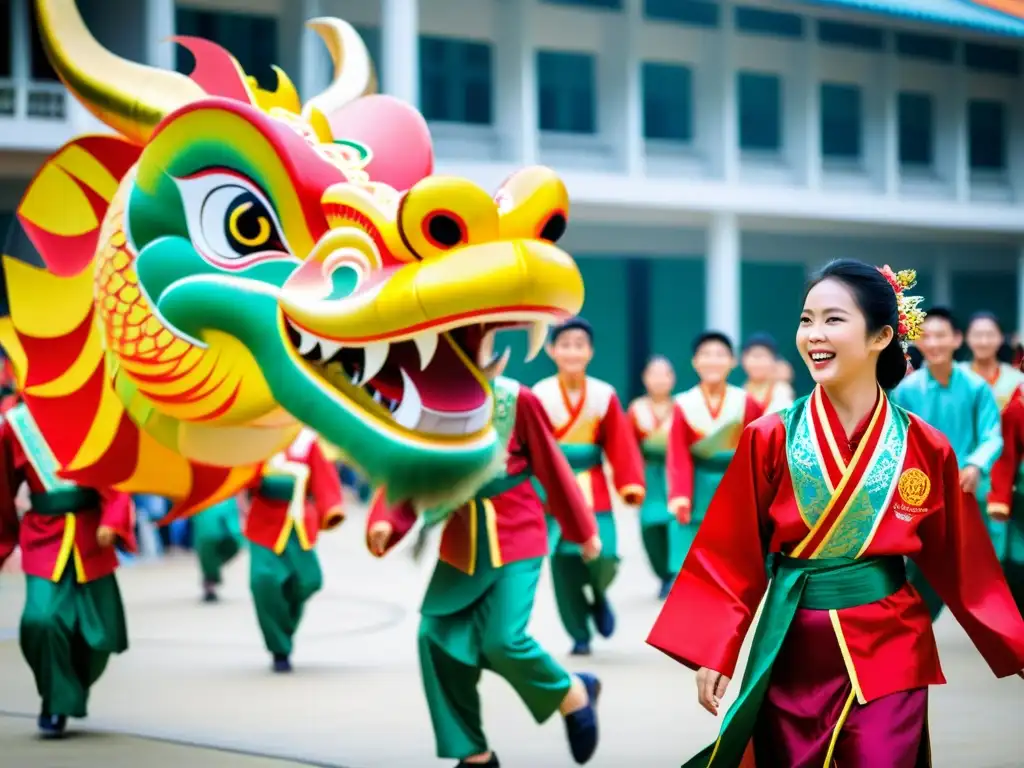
pixel 73 618
pixel 478 603
pixel 298 496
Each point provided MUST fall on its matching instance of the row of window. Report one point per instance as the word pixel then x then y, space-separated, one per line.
pixel 752 20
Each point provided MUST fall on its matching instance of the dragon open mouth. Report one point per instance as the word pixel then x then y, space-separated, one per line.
pixel 434 383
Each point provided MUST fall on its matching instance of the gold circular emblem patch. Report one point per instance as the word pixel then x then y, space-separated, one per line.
pixel 914 487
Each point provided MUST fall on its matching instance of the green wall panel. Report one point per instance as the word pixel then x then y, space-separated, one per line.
pixel 676 311
pixel 604 306
pixel 986 291
pixel 772 299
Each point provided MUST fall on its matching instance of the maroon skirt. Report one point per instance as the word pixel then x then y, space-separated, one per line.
pixel 810 717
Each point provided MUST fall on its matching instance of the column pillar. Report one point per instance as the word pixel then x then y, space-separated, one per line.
pixel 21 57
pixel 730 136
pixel 633 123
pixel 400 39
pixel 516 81
pixel 1020 292
pixel 159 26
pixel 722 284
pixel 314 59
pixel 943 288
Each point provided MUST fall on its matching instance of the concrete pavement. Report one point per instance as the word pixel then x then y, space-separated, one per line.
pixel 197 675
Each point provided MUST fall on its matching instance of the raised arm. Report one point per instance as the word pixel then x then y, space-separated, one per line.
pixel 550 467
pixel 325 487
pixel 957 559
pixel 620 446
pixel 714 599
pixel 679 466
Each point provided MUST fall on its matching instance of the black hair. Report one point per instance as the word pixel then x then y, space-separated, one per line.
pixel 764 340
pixel 915 357
pixel 876 300
pixel 985 316
pixel 709 336
pixel 573 324
pixel 658 358
pixel 944 313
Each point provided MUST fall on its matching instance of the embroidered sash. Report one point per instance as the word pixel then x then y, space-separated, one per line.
pixel 36 450
pixel 720 432
pixel 842 504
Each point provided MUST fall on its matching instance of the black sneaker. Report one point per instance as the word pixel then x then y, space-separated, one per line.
pixel 51 726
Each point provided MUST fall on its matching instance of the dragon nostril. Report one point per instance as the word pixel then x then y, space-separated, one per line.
pixel 445 230
pixel 553 228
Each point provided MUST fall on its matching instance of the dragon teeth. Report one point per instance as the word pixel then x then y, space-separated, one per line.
pixel 375 355
pixel 307 342
pixel 410 409
pixel 537 336
pixel 426 345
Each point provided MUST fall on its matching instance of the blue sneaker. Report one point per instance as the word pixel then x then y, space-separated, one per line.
pixel 51 726
pixel 604 619
pixel 282 663
pixel 581 725
pixel 666 587
pixel 580 648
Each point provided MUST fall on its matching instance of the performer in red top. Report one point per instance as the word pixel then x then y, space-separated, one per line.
pixel 838 490
pixel 1006 497
pixel 298 495
pixel 73 618
pixel 591 428
pixel 478 604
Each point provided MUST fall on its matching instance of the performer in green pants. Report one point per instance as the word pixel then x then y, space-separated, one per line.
pixel 217 538
pixel 651 416
pixel 590 426
pixel 73 618
pixel 478 603
pixel 298 496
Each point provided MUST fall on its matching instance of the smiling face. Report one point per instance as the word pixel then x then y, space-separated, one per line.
pixel 659 378
pixel 984 338
pixel 759 364
pixel 359 310
pixel 713 361
pixel 939 341
pixel 833 338
pixel 571 352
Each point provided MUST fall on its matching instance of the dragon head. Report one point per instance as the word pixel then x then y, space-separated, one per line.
pixel 266 263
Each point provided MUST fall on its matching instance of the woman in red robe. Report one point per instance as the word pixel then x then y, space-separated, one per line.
pixel 837 490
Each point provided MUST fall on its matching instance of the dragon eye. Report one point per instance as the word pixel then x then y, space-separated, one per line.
pixel 236 223
pixel 230 221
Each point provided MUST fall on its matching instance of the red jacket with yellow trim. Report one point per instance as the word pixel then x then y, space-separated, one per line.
pixel 49 542
pixel 516 526
pixel 317 490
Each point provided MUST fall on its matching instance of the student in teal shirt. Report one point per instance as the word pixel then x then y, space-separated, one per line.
pixel 960 404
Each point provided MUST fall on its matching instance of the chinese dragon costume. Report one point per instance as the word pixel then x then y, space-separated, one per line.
pixel 181 297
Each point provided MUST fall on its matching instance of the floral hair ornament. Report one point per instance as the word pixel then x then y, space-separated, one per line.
pixel 909 307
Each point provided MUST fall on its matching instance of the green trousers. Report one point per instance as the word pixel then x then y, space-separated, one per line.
pixel 217 538
pixel 572 577
pixel 281 585
pixel 490 633
pixel 656 539
pixel 68 631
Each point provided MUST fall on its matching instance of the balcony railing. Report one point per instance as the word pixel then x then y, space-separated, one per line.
pixel 34 100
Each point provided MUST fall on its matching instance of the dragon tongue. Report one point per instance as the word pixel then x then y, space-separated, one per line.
pixel 446 385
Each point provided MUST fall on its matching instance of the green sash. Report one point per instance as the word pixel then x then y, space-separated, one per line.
pixel 582 456
pixel 277 487
pixel 64 501
pixel 822 584
pixel 36 450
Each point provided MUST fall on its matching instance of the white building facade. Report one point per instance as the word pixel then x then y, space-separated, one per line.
pixel 714 150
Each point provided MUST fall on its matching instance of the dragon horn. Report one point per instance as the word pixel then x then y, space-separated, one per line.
pixel 354 75
pixel 130 98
